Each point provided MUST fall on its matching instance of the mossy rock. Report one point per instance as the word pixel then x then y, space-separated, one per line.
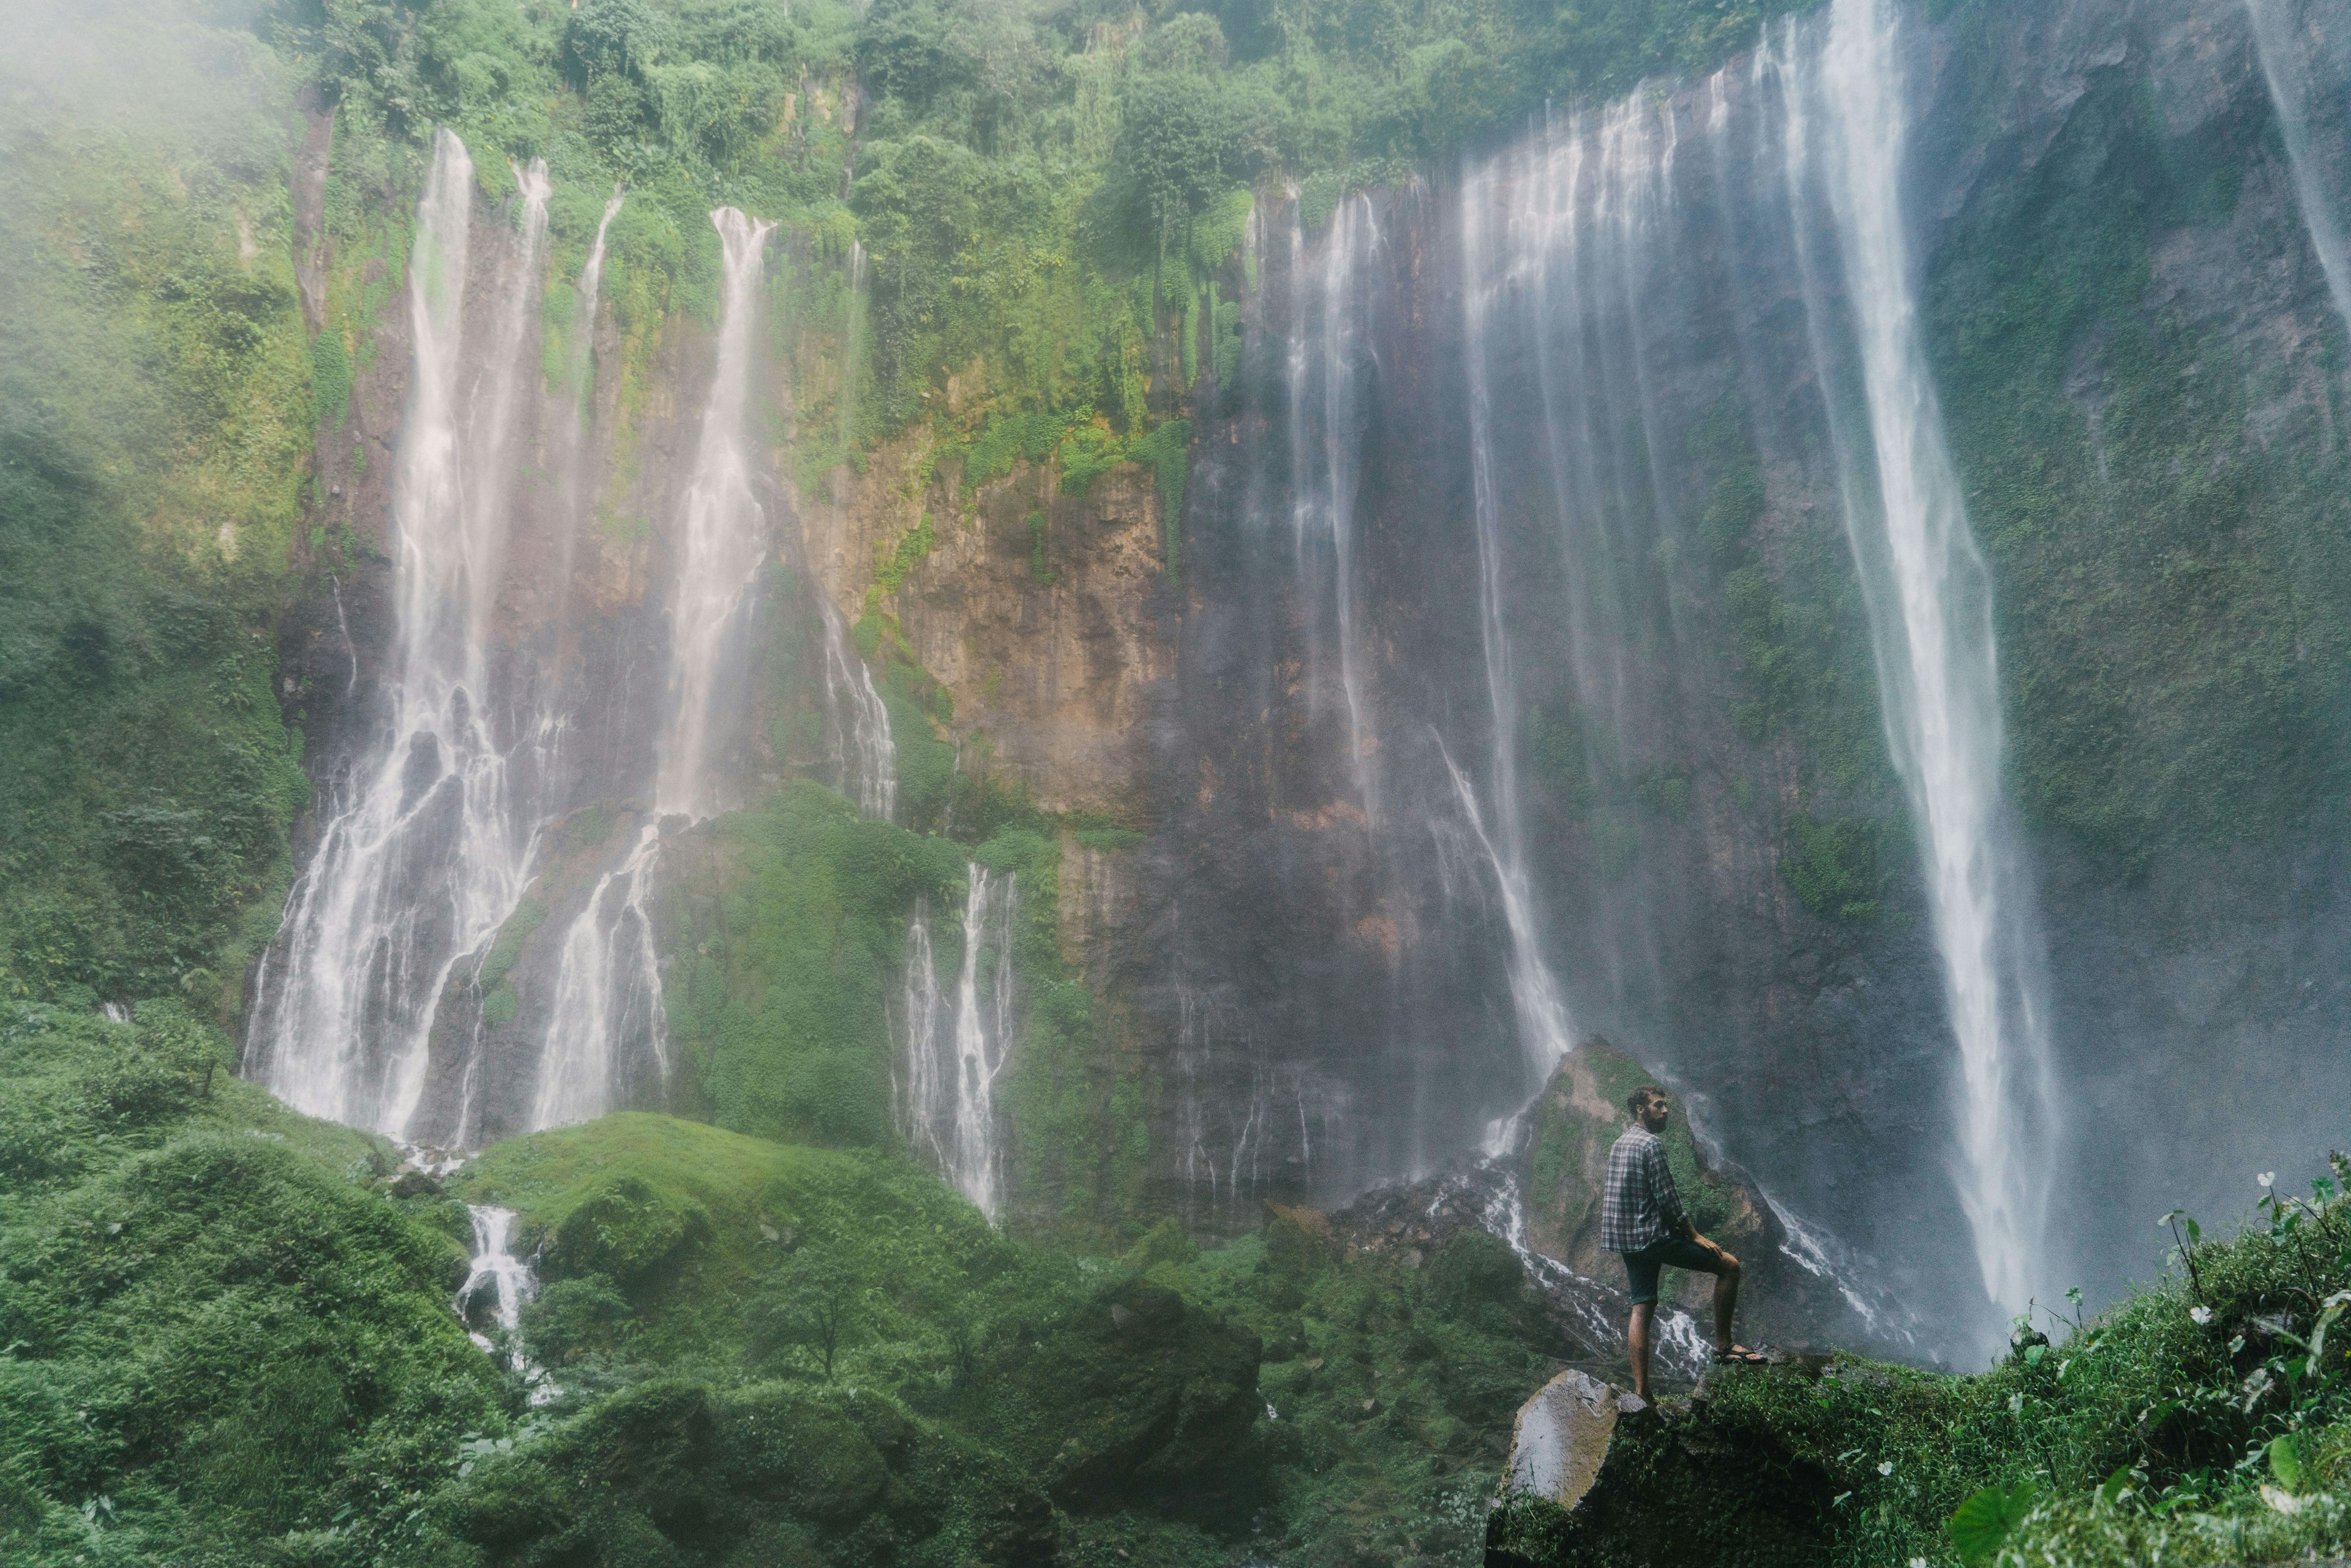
pixel 626 1230
pixel 1135 1388
pixel 676 1472
pixel 1693 1488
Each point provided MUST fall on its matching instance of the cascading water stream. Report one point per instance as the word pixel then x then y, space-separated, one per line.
pixel 1546 1033
pixel 2274 42
pixel 608 996
pixel 497 1286
pixel 583 314
pixel 1928 596
pixel 857 726
pixel 1324 357
pixel 722 541
pixel 426 849
pixel 954 1057
pixel 607 1015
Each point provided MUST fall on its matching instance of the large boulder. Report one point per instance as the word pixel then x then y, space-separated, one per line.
pixel 1597 1479
pixel 1135 1389
pixel 1561 1437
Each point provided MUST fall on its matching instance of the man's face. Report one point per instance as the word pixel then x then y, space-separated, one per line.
pixel 1655 1113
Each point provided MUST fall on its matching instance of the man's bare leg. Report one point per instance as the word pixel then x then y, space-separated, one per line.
pixel 1726 1302
pixel 1636 1340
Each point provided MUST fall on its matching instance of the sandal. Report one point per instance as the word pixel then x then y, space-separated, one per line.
pixel 1740 1355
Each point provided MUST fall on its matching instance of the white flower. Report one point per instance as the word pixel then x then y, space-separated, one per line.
pixel 2267 1179
pixel 1886 1467
pixel 2284 1502
pixel 2199 1316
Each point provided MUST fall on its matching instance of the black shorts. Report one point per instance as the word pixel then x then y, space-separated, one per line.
pixel 1679 1251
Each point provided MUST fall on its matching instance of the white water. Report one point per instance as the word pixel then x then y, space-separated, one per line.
pixel 857 726
pixel 953 1060
pixel 721 543
pixel 609 1011
pixel 1546 1032
pixel 510 1283
pixel 2274 41
pixel 426 849
pixel 1681 1345
pixel 1323 364
pixel 583 315
pixel 1928 597
pixel 608 996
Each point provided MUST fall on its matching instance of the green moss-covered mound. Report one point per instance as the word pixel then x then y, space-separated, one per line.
pixel 220 1325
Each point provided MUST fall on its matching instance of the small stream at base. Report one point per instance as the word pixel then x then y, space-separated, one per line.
pixel 493 1293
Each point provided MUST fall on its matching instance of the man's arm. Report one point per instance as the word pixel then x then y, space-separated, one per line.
pixel 1668 1195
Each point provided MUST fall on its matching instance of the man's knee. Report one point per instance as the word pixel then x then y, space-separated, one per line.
pixel 1729 1268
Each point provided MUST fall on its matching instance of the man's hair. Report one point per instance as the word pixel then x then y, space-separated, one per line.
pixel 1639 1099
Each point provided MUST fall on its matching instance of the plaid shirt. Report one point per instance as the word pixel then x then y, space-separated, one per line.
pixel 1643 1207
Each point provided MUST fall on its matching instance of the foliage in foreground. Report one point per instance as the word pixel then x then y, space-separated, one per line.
pixel 2207 1420
pixel 230 1341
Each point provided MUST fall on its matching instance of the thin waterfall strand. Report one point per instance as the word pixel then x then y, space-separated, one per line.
pixel 1929 601
pixel 857 726
pixel 1545 1031
pixel 2273 40
pixel 607 995
pixel 1323 358
pixel 721 542
pixel 953 1060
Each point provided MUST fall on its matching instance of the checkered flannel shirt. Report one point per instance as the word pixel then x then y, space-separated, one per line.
pixel 1642 1206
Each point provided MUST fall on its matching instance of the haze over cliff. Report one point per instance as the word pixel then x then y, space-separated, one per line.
pixel 1164 614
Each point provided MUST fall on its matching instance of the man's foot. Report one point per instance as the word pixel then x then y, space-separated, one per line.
pixel 1740 1355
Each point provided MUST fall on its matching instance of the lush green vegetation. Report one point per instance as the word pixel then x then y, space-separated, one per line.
pixel 155 413
pixel 221 1326
pixel 2202 1421
pixel 230 1341
pixel 792 921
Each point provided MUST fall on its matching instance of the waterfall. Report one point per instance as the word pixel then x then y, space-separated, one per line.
pixel 857 726
pixel 853 351
pixel 1323 355
pixel 1928 596
pixel 583 314
pixel 1545 1031
pixel 947 1103
pixel 2274 41
pixel 721 542
pixel 496 1287
pixel 608 1013
pixel 425 848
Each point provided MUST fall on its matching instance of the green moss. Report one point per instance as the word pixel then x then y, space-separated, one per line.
pixel 160 401
pixel 1833 866
pixel 589 828
pixel 791 934
pixel 220 1320
pixel 2174 589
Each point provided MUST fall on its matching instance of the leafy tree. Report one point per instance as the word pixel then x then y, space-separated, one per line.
pixel 613 37
pixel 816 1299
pixel 1171 143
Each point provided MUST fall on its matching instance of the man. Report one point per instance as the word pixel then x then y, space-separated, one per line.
pixel 1642 1217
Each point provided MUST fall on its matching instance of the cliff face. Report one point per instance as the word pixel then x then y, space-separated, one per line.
pixel 1519 674
pixel 1042 615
